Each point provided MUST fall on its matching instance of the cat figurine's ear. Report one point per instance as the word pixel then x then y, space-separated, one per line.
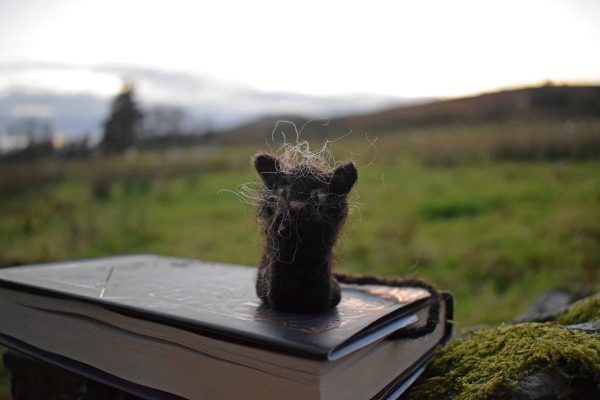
pixel 343 178
pixel 267 167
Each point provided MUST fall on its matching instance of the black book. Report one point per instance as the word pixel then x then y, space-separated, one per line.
pixel 163 327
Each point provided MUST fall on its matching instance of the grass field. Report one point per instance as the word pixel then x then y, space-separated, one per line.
pixel 448 205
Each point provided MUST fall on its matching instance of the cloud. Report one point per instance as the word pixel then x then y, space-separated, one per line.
pixel 13 67
pixel 28 110
pixel 205 98
pixel 72 115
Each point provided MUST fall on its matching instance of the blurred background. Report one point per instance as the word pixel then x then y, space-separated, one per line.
pixel 475 127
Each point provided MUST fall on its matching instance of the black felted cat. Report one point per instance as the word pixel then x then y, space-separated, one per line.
pixel 302 208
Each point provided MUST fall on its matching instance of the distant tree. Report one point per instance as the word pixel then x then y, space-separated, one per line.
pixel 34 130
pixel 163 120
pixel 31 138
pixel 203 126
pixel 122 125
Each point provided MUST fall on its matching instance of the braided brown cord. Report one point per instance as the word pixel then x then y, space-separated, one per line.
pixel 433 318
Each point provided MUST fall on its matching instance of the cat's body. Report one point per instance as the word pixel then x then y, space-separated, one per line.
pixel 302 209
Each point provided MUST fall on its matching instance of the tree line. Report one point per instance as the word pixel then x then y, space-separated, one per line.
pixel 127 125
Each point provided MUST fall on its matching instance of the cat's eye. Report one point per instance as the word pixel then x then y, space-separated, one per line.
pixel 284 192
pixel 317 195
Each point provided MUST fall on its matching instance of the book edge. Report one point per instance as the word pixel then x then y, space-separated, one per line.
pixel 222 332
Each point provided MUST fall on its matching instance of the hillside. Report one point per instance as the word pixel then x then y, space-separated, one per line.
pixel 546 102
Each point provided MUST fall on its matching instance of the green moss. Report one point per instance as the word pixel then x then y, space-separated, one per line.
pixel 490 362
pixel 587 310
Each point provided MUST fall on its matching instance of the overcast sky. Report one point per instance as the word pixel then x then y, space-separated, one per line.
pixel 401 48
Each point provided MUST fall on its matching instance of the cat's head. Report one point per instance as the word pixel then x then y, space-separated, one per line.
pixel 305 191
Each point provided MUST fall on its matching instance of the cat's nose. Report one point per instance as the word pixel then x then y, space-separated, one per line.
pixel 296 205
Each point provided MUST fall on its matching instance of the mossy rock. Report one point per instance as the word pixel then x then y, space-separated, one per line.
pixel 530 360
pixel 586 310
pixel 509 361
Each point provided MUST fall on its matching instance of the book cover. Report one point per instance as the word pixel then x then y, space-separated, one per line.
pixel 219 300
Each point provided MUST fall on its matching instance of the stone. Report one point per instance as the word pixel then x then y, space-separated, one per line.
pixel 546 307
